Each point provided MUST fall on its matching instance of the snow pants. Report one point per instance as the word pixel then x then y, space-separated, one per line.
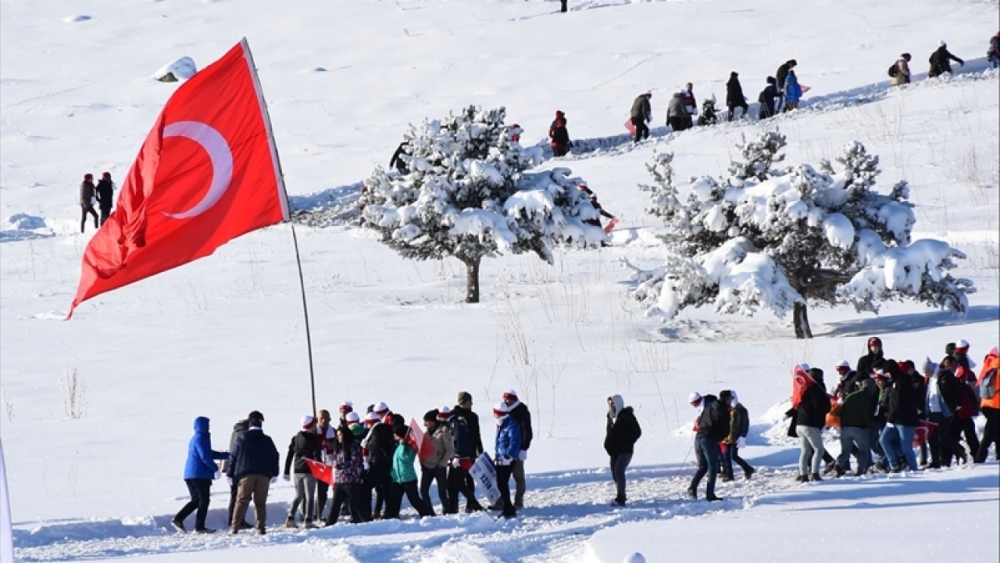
pixel 344 492
pixel 641 129
pixel 517 470
pixel 459 482
pixel 200 490
pixel 966 426
pixel 811 442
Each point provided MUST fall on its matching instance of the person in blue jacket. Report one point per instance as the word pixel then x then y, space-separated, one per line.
pixel 793 92
pixel 508 447
pixel 199 470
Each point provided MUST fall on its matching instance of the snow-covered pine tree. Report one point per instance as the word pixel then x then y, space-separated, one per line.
pixel 785 239
pixel 467 194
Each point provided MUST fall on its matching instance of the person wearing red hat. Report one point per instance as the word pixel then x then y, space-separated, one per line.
pixel 344 408
pixel 559 135
pixel 965 422
pixel 522 416
pixel 87 201
pixel 873 358
pixel 304 445
pixel 380 446
pixel 508 447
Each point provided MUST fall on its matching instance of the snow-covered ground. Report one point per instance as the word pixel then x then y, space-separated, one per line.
pixel 100 479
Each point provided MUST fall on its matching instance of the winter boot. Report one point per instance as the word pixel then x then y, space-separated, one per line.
pixel 710 497
pixel 310 525
pixel 840 471
pixel 749 473
pixel 377 514
pixel 801 479
pixel 815 477
pixel 692 493
pixel 290 522
pixel 204 531
pixel 178 525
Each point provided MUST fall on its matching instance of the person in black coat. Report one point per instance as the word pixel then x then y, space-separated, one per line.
pixel 619 441
pixel 734 95
pixel 397 162
pixel 767 98
pixel 464 411
pixel 105 193
pixel 459 480
pixel 781 75
pixel 380 445
pixel 810 419
pixel 873 359
pixel 713 427
pixel 902 417
pixel 940 61
pixel 254 465
pixel 239 429
pixel 522 416
pixel 559 135
pixel 304 445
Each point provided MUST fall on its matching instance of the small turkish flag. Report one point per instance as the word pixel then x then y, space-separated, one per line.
pixel 924 430
pixel 320 471
pixel 800 382
pixel 420 441
pixel 207 173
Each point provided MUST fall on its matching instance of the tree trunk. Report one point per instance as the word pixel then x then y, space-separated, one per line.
pixel 800 318
pixel 472 280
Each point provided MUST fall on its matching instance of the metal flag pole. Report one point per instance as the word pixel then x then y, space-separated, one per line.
pixel 280 177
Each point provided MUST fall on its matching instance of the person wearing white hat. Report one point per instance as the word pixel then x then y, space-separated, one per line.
pixel 641 114
pixel 508 446
pixel 304 445
pixel 380 445
pixel 522 416
pixel 941 61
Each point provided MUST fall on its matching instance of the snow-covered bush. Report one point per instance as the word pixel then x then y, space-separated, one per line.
pixel 784 239
pixel 467 194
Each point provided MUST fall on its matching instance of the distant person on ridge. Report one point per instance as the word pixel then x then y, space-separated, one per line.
pixel 899 72
pixel 105 192
pixel 641 114
pixel 767 99
pixel 941 61
pixel 734 95
pixel 87 201
pixel 677 117
pixel 619 442
pixel 793 92
pixel 780 77
pixel 690 103
pixel 199 471
pixel 559 135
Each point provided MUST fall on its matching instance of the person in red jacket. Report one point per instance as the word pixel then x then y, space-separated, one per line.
pixel 559 135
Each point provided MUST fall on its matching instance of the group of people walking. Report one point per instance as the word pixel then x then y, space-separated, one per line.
pixel 367 456
pixel 892 417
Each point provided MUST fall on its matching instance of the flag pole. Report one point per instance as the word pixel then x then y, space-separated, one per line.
pixel 280 177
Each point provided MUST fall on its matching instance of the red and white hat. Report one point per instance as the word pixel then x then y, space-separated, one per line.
pixel 509 394
pixel 962 345
pixel 694 397
pixel 370 419
pixel 308 422
pixel 501 409
pixel 381 408
pixel 346 406
pixel 844 364
pixel 352 417
pixel 444 413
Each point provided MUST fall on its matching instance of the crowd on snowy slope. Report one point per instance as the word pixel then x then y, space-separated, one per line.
pixel 886 411
pixel 879 407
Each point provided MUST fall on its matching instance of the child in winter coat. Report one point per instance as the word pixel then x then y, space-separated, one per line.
pixel 793 92
pixel 404 478
pixel 508 447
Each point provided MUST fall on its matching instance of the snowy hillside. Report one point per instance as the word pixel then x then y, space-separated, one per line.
pixel 97 411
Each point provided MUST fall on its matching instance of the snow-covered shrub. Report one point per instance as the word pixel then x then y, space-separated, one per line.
pixel 467 194
pixel 784 239
pixel 178 69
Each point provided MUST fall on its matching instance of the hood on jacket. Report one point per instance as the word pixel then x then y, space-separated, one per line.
pixel 201 424
pixel 772 80
pixel 619 404
pixel 736 399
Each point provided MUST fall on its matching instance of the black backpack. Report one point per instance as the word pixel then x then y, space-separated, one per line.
pixel 894 70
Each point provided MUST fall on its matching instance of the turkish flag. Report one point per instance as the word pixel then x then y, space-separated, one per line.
pixel 207 173
pixel 420 441
pixel 923 432
pixel 320 471
pixel 800 382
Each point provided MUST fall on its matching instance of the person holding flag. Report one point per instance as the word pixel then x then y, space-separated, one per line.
pixel 404 478
pixel 434 468
pixel 304 445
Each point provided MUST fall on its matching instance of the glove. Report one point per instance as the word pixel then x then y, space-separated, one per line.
pixel 506 460
pixel 454 462
pixel 229 480
pixel 366 465
pixel 217 476
pixel 287 477
pixel 741 442
pixel 522 455
pixel 274 480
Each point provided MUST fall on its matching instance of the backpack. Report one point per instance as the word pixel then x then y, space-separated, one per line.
pixel 894 70
pixel 969 405
pixel 988 385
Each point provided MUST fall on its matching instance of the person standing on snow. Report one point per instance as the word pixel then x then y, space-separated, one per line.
pixel 304 445
pixel 739 427
pixel 508 447
pixel 780 77
pixel 989 393
pixel 559 135
pixel 458 473
pixel 940 61
pixel 713 427
pixel 873 359
pixel 899 72
pixel 641 114
pixel 435 467
pixel 619 442
pixel 105 193
pixel 347 465
pixel 734 95
pixel 522 416
pixel 855 418
pixel 254 465
pixel 677 117
pixel 463 410
pixel 199 471
pixel 811 418
pixel 793 92
pixel 767 98
pixel 380 446
pixel 404 478
pixel 993 53
pixel 239 429
pixel 902 418
pixel 87 201
pixel 690 103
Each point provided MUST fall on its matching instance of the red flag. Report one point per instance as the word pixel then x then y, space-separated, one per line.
pixel 206 174
pixel 420 441
pixel 611 225
pixel 923 432
pixel 800 382
pixel 320 471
